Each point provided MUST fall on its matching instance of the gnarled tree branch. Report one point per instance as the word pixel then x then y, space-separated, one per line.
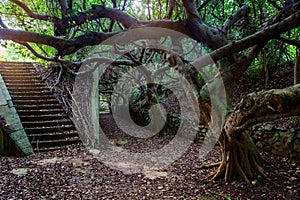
pixel 240 13
pixel 30 13
pixel 263 106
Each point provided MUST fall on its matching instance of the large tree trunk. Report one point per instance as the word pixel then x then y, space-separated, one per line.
pixel 240 157
pixel 297 68
pixel 266 69
pixel 239 154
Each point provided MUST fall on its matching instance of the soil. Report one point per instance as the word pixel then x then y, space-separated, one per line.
pixel 75 173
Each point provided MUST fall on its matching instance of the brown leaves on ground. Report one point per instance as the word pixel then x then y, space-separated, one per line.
pixel 75 174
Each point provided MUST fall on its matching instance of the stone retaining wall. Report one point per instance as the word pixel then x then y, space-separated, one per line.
pixel 17 137
pixel 277 140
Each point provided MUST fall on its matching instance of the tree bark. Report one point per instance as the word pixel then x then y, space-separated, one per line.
pixel 266 69
pixel 297 68
pixel 239 154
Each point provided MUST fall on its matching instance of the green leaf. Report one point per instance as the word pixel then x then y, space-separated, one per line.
pixel 259 177
pixel 227 198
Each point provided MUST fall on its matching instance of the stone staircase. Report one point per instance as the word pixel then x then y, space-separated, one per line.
pixel 43 118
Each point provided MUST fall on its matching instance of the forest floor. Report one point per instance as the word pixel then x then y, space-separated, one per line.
pixel 75 173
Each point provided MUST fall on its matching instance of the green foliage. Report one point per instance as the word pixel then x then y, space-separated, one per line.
pixel 214 14
pixel 14 17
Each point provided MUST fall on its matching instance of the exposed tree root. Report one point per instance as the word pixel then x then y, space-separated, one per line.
pixel 61 71
pixel 210 165
pixel 240 158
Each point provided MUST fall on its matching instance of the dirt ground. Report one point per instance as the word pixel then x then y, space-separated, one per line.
pixel 75 173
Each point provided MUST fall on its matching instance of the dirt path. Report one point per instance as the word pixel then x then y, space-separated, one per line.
pixel 75 173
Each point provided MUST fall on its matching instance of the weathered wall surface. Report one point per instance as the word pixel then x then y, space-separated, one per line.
pixel 16 139
pixel 278 140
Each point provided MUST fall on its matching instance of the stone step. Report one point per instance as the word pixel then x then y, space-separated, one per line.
pixel 24 113
pixel 49 129
pixel 32 98
pixel 32 88
pixel 19 77
pixel 52 136
pixel 25 86
pixel 32 84
pixel 53 143
pixel 30 118
pixel 42 117
pixel 18 67
pixel 22 81
pixel 46 123
pixel 34 102
pixel 46 149
pixel 16 73
pixel 31 93
pixel 38 107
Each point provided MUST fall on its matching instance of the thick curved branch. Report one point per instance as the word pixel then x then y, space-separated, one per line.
pixel 63 46
pixel 237 69
pixel 33 51
pixel 289 9
pixel 171 9
pixel 190 8
pixel 203 4
pixel 64 7
pixel 274 4
pixel 266 34
pixel 263 106
pixel 96 12
pixel 66 47
pixel 30 48
pixel 30 13
pixel 240 13
pixel 289 41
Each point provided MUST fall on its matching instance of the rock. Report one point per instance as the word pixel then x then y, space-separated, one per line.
pixel 292 179
pixel 152 174
pixel 20 171
pixel 280 128
pixel 203 130
pixel 201 126
pixel 50 161
pixel 122 142
pixel 268 127
pixel 94 151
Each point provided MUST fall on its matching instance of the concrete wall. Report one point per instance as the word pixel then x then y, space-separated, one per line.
pixel 17 137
